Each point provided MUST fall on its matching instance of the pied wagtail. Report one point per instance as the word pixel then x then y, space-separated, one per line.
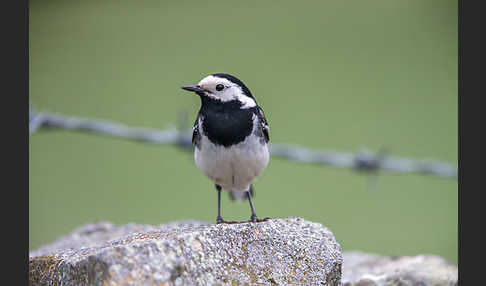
pixel 230 137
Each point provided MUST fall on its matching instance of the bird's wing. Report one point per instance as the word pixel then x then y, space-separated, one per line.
pixel 196 136
pixel 264 124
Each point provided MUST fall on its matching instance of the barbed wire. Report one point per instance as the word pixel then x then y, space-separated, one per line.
pixel 361 161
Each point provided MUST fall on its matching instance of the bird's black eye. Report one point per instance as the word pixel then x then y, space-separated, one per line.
pixel 219 87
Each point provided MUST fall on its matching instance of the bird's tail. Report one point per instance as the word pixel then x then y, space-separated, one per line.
pixel 241 196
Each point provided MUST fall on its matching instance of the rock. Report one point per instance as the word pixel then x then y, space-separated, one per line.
pixel 289 251
pixel 362 269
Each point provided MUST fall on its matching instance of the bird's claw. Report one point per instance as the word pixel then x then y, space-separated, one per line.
pixel 255 219
pixel 220 220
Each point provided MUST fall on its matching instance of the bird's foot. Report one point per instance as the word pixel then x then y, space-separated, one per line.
pixel 254 218
pixel 220 220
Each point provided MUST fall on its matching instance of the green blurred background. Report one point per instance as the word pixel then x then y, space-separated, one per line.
pixel 339 75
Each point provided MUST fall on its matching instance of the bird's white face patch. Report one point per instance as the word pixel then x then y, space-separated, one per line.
pixel 230 91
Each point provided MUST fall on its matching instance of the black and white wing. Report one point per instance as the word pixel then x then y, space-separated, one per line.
pixel 196 134
pixel 264 124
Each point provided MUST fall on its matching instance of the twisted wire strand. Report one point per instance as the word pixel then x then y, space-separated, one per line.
pixel 362 161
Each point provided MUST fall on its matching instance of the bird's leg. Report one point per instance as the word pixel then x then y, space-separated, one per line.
pixel 219 219
pixel 253 217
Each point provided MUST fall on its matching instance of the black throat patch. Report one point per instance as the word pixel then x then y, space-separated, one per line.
pixel 224 123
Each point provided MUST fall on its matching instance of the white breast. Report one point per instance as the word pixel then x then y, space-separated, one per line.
pixel 236 167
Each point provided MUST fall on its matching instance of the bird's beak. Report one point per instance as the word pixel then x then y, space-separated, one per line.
pixel 194 88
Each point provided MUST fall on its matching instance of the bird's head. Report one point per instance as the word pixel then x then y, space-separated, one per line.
pixel 223 88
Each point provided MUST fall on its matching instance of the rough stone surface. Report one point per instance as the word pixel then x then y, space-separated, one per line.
pixel 289 251
pixel 363 269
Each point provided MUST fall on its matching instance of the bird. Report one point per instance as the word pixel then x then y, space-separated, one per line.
pixel 230 137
